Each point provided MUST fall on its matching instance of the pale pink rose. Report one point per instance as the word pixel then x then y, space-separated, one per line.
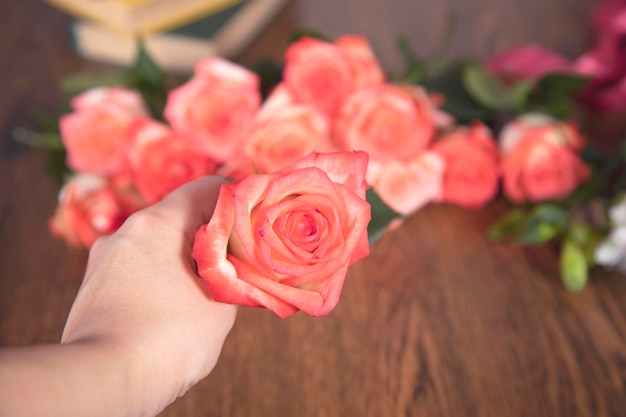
pixel 540 159
pixel 284 241
pixel 390 122
pixel 225 72
pixel 216 108
pixel 286 132
pixel 91 206
pixel 324 74
pixel 161 160
pixel 528 62
pixel 472 171
pixel 558 132
pixel 130 100
pixel 408 186
pixel 96 134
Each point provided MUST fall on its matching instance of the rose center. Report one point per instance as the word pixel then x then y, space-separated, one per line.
pixel 307 226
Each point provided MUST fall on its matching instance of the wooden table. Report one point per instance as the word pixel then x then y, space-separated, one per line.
pixel 436 322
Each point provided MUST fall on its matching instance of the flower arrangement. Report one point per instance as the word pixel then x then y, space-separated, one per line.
pixel 464 134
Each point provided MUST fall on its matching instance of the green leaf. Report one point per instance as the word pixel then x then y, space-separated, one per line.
pixel 37 140
pixel 56 166
pixel 458 101
pixel 486 89
pixel 305 33
pixel 520 93
pixel 555 94
pixel 415 69
pixel 587 238
pixel 382 216
pixel 546 221
pixel 270 73
pixel 573 266
pixel 509 226
pixel 45 122
pixel 558 85
pixel 147 77
pixel 77 83
pixel 580 232
pixel 145 71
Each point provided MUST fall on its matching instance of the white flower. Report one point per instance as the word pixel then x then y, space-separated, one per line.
pixel 612 251
pixel 617 213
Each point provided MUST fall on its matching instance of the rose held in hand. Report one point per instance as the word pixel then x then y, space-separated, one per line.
pixel 284 241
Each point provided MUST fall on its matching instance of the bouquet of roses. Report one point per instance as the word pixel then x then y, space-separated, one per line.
pixel 294 217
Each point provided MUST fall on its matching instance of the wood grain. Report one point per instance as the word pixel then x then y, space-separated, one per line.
pixel 436 322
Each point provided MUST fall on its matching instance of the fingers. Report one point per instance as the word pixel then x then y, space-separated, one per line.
pixel 194 201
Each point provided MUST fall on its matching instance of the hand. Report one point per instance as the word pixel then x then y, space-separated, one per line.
pixel 143 328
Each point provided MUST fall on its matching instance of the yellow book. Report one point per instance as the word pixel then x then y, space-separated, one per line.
pixel 226 33
pixel 135 18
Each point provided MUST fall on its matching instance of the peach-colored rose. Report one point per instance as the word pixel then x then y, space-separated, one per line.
pixel 390 122
pixel 161 160
pixel 130 100
pixel 540 159
pixel 284 241
pixel 91 206
pixel 286 132
pixel 324 74
pixel 216 108
pixel 407 186
pixel 472 171
pixel 96 133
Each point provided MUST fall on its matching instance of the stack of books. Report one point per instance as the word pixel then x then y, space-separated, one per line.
pixel 176 33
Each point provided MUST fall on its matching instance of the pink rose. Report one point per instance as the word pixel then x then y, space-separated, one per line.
pixel 606 61
pixel 407 186
pixel 527 62
pixel 540 160
pixel 91 206
pixel 216 108
pixel 472 171
pixel 284 241
pixel 96 133
pixel 390 122
pixel 286 132
pixel 161 160
pixel 324 74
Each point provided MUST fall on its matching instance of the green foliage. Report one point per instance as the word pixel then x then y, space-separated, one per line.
pixel 270 73
pixel 540 224
pixel 296 35
pixel 554 94
pixel 415 68
pixel 146 77
pixel 56 167
pixel 509 226
pixel 485 88
pixel 587 238
pixel 44 139
pixel 545 222
pixel 382 216
pixel 492 93
pixel 77 83
pixel 573 266
pixel 458 102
